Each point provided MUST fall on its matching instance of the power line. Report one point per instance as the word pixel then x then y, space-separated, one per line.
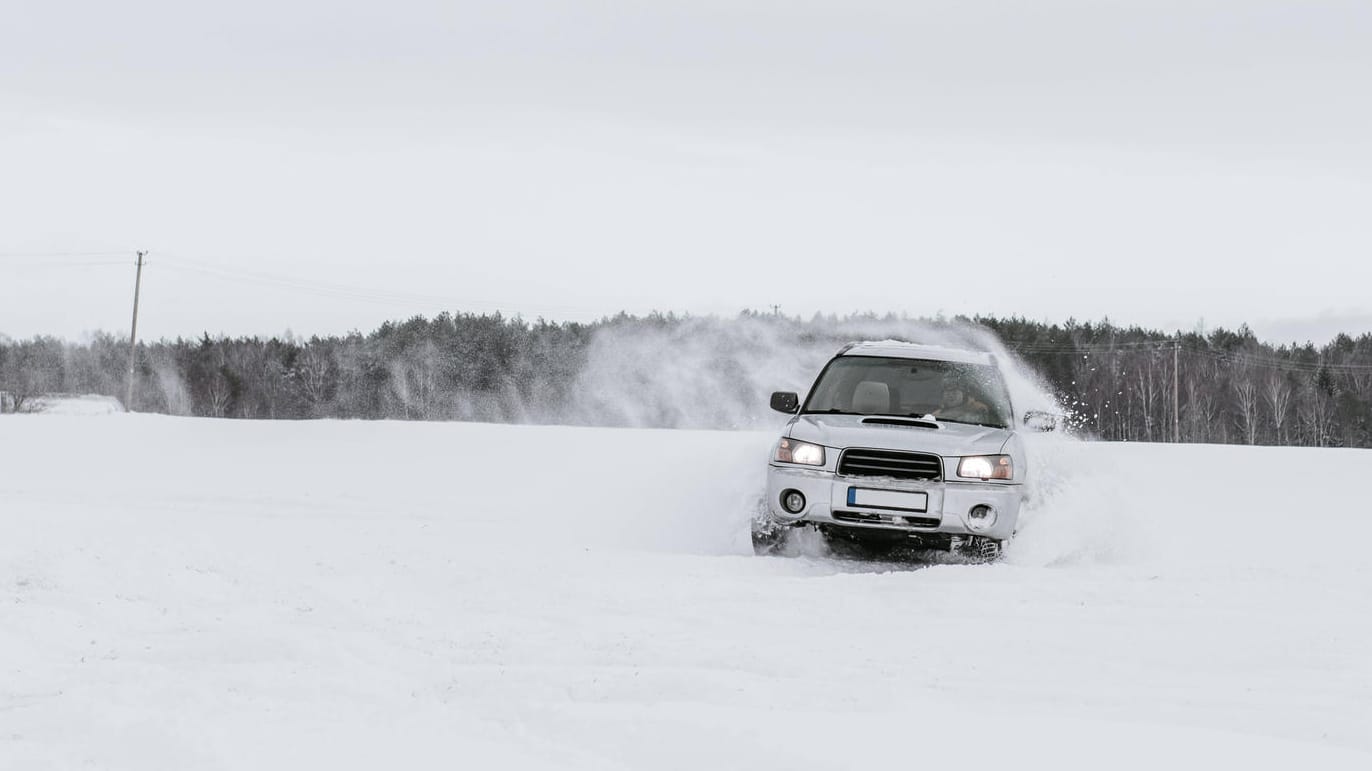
pixel 1295 366
pixel 46 265
pixel 77 259
pixel 1228 357
pixel 1089 347
pixel 44 255
pixel 338 290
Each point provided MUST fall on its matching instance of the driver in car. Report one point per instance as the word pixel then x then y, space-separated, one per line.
pixel 958 405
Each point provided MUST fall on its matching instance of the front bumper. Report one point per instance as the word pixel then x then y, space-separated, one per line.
pixel 948 504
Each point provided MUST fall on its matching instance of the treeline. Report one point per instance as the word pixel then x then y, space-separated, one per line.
pixel 453 367
pixel 1118 383
pixel 1221 386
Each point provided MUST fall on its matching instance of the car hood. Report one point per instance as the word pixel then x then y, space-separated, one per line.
pixel 843 431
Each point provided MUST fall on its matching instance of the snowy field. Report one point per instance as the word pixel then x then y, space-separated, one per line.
pixel 198 594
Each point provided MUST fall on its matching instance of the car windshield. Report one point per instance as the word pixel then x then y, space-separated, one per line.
pixel 950 391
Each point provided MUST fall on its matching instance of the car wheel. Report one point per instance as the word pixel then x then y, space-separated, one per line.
pixel 770 536
pixel 982 550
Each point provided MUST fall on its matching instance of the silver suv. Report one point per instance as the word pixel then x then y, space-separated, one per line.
pixel 898 445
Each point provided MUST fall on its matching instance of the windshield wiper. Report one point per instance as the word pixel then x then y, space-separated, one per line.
pixel 904 415
pixel 972 423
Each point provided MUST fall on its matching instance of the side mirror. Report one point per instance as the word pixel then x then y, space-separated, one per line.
pixel 786 401
pixel 1038 420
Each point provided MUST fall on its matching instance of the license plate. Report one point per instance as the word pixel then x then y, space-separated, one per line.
pixel 888 499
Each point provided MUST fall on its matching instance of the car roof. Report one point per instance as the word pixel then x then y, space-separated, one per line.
pixel 897 349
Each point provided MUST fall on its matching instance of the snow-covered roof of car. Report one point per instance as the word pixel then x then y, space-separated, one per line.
pixel 902 350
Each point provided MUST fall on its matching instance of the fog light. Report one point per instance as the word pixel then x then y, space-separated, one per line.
pixel 981 518
pixel 793 501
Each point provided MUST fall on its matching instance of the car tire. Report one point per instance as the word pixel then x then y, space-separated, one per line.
pixel 982 550
pixel 769 536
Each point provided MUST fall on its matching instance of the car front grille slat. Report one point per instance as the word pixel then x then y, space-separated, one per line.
pixel 891 466
pixel 864 518
pixel 891 463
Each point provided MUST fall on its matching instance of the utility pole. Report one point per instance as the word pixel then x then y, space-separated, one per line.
pixel 133 334
pixel 1176 391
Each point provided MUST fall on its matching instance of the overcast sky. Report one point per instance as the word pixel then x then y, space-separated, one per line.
pixel 321 166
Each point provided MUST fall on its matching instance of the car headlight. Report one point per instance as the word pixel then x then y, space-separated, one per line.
pixel 985 467
pixel 791 451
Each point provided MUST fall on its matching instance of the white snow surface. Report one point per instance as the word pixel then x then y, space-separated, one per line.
pixel 200 594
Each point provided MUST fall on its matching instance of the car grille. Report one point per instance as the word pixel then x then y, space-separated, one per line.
pixel 890 463
pixel 862 517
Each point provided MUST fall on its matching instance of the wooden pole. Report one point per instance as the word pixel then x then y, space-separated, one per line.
pixel 1176 391
pixel 133 334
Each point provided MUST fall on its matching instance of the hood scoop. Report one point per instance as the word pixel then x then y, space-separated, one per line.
pixel 927 421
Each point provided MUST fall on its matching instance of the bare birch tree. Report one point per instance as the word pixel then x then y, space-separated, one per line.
pixel 1277 395
pixel 1246 409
